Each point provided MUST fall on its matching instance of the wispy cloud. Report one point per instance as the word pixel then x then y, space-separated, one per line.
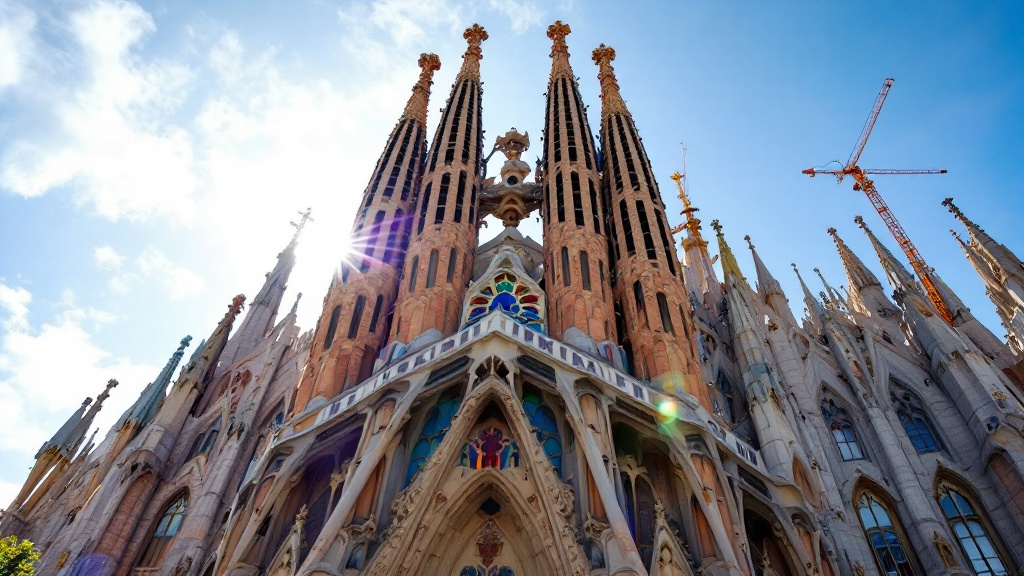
pixel 17 24
pixel 47 370
pixel 112 146
pixel 177 282
pixel 522 15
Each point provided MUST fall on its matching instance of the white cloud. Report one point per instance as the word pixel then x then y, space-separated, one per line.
pixel 114 148
pixel 16 46
pixel 45 373
pixel 151 265
pixel 522 15
pixel 180 282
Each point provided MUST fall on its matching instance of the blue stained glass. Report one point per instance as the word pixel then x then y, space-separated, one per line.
pixel 506 301
pixel 504 294
pixel 543 421
pixel 438 422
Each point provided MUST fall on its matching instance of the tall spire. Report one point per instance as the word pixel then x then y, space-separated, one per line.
pixel 559 49
pixel 74 440
pixel 202 365
pixel 692 222
pixel 898 276
pixel 699 264
pixel 354 323
pixel 470 70
pixel 814 307
pixel 767 285
pixel 858 275
pixel 649 289
pixel 575 227
pixel 153 394
pixel 61 436
pixel 611 98
pixel 728 259
pixel 416 108
pixel 439 259
pixel 834 298
pixel 1002 260
pixel 262 314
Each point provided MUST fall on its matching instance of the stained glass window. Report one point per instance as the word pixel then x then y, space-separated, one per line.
pixel 883 537
pixel 165 531
pixel 915 421
pixel 543 422
pixel 842 431
pixel 438 422
pixel 504 292
pixel 966 524
pixel 492 447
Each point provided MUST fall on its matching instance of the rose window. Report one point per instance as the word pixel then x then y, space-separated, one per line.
pixel 506 293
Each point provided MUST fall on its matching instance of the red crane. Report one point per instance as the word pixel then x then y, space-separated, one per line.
pixel 863 183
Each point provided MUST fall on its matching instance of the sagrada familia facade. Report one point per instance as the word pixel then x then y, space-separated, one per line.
pixel 588 405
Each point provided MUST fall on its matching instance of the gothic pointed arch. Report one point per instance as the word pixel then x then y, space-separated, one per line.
pixel 914 417
pixel 506 287
pixel 770 551
pixel 839 421
pixel 439 518
pixel 162 534
pixel 978 540
pixel 126 517
pixel 884 532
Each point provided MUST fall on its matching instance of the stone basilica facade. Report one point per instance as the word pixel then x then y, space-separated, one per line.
pixel 588 405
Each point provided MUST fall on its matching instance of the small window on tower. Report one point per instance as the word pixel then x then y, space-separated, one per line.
pixel 585 270
pixel 357 317
pixel 451 267
pixel 332 327
pixel 413 270
pixel 432 269
pixel 566 278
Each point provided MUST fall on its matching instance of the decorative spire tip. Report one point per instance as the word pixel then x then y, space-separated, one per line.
pixel 717 226
pixel 749 243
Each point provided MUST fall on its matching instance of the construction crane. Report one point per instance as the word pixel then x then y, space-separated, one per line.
pixel 863 183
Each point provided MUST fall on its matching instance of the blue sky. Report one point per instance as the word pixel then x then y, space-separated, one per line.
pixel 152 153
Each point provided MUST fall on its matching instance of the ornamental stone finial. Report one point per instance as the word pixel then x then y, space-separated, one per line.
pixel 749 243
pixel 474 35
pixel 416 108
pixel 557 33
pixel 717 226
pixel 832 232
pixel 859 221
pixel 611 98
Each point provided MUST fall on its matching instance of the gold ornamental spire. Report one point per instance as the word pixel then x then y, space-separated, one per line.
pixel 474 35
pixel 559 49
pixel 692 222
pixel 416 109
pixel 611 99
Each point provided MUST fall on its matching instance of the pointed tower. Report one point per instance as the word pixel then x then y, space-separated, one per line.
pixel 262 313
pixel 695 249
pixel 651 300
pixel 576 246
pixel 764 394
pixel 895 272
pixel 191 384
pixel 153 394
pixel 54 457
pixel 769 289
pixel 865 291
pixel 439 262
pixel 353 325
pixel 1005 269
pixel 139 414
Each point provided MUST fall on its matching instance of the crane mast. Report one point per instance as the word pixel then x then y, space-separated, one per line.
pixel 866 185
